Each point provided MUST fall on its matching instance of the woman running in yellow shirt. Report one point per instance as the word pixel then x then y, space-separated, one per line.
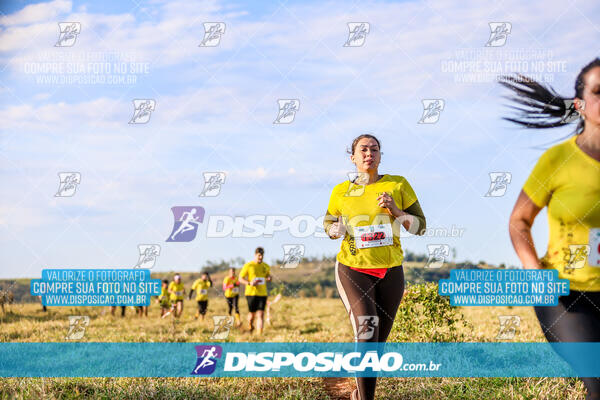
pixel 163 299
pixel 368 213
pixel 255 275
pixel 566 179
pixel 231 288
pixel 177 292
pixel 201 287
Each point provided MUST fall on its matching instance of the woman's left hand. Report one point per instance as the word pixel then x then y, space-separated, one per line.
pixel 386 201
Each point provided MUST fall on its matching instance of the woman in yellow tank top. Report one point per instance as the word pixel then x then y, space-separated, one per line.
pixel 566 179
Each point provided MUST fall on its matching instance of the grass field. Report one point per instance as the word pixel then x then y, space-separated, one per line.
pixel 294 320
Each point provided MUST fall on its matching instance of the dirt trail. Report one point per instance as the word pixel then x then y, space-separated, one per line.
pixel 339 388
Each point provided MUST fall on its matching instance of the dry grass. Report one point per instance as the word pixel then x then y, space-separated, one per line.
pixel 295 320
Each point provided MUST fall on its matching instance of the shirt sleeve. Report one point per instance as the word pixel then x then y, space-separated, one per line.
pixel 244 271
pixel 406 193
pixel 267 270
pixel 539 185
pixel 195 285
pixel 333 210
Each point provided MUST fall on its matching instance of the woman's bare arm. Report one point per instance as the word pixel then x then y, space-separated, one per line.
pixel 519 228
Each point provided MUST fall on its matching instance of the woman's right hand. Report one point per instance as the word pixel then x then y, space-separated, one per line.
pixel 336 230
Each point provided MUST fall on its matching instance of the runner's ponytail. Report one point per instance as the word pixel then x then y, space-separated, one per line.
pixel 544 108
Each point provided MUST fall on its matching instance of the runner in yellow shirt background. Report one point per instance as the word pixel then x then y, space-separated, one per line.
pixel 255 275
pixel 177 292
pixel 231 289
pixel 164 298
pixel 566 180
pixel 201 287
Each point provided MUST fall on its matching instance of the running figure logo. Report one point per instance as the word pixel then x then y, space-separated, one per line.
pixel 185 226
pixel 148 254
pixel 287 111
pixel 212 34
pixel 366 326
pixel 223 324
pixel 508 326
pixel 358 33
pixel 68 33
pixel 437 255
pixel 498 184
pixel 578 254
pixel 498 34
pixel 142 108
pixel 572 114
pixel 68 183
pixel 356 187
pixel 207 359
pixel 77 325
pixel 212 183
pixel 432 108
pixel 292 255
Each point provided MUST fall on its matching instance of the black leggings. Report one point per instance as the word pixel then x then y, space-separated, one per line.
pixel 365 296
pixel 576 318
pixel 231 303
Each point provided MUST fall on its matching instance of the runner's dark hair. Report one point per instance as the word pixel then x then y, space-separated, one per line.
pixel 363 136
pixel 544 108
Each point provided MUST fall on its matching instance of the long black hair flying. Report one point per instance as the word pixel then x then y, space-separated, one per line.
pixel 544 108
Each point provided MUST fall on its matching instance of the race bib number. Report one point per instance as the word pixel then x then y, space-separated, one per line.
pixel 259 281
pixel 203 291
pixel 373 236
pixel 235 289
pixel 179 293
pixel 594 257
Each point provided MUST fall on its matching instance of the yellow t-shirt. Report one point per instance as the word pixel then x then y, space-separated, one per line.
pixel 567 180
pixel 231 292
pixel 251 271
pixel 178 289
pixel 358 206
pixel 164 298
pixel 201 288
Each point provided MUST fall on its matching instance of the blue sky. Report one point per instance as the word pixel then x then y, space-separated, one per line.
pixel 215 111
